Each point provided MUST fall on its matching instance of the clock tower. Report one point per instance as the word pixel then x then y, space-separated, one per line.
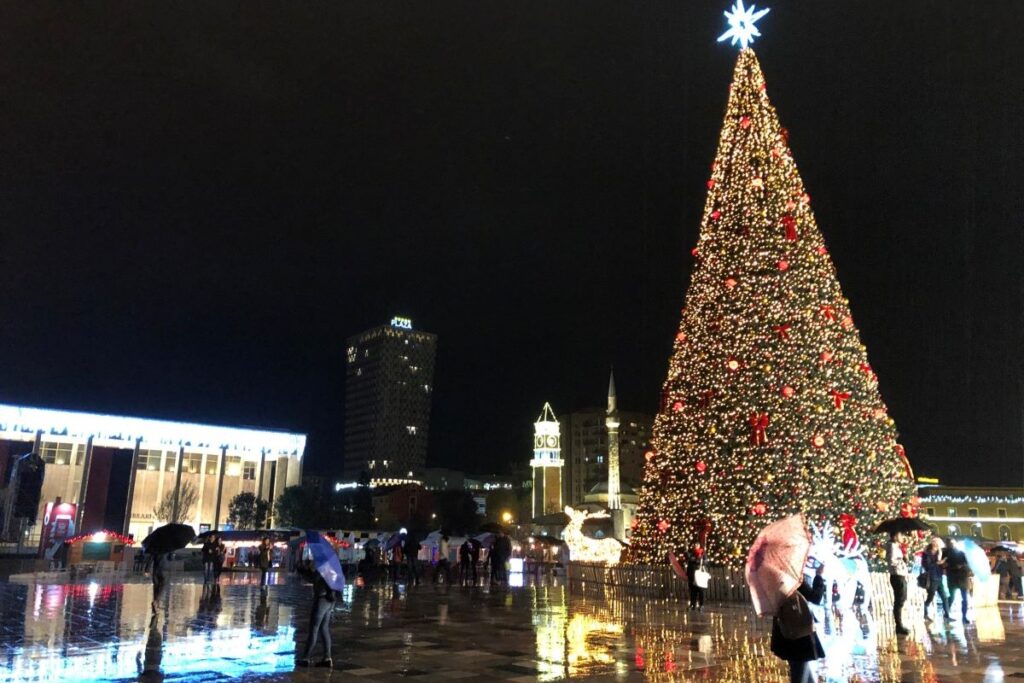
pixel 547 464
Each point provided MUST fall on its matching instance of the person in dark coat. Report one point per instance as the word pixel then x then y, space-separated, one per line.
pixel 264 560
pixel 799 652
pixel 695 561
pixel 958 575
pixel 1015 588
pixel 933 566
pixel 411 552
pixel 319 616
pixel 465 553
pixel 502 552
pixel 159 578
pixel 209 553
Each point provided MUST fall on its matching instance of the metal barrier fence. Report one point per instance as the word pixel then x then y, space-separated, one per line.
pixel 660 582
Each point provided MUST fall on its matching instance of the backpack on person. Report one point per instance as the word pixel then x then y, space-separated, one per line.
pixel 794 618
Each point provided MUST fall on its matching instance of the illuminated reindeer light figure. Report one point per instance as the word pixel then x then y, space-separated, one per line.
pixel 585 549
pixel 844 564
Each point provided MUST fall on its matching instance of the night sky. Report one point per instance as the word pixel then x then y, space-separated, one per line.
pixel 200 202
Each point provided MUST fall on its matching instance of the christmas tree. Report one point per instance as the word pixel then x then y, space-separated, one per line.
pixel 770 406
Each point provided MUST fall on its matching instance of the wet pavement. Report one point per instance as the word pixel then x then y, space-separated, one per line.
pixel 109 632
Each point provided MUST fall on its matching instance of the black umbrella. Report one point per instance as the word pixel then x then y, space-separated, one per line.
pixel 168 538
pixel 492 527
pixel 548 540
pixel 902 524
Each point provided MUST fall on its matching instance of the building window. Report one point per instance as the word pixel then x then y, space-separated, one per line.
pixel 148 460
pixel 951 512
pixel 954 529
pixel 972 512
pixel 249 471
pixel 233 466
pixel 411 429
pixel 211 463
pixel 171 461
pixel 193 463
pixel 976 530
pixel 80 454
pixel 1004 532
pixel 1001 513
pixel 56 453
pixel 930 512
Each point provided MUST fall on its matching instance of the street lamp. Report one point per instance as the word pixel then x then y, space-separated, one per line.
pixel 506 517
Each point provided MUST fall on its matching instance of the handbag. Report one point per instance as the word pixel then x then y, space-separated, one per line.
pixel 795 619
pixel 701 578
pixel 923 580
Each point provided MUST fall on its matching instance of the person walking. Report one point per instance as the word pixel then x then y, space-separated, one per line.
pixel 695 562
pixel 503 548
pixel 319 616
pixel 933 566
pixel 897 563
pixel 159 578
pixel 442 561
pixel 958 575
pixel 1014 588
pixel 411 552
pixel 209 555
pixel 474 559
pixel 264 552
pixel 802 649
pixel 465 553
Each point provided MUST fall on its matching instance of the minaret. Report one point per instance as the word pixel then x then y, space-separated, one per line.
pixel 611 421
pixel 547 464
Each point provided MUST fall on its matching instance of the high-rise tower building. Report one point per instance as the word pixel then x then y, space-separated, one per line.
pixel 389 380
pixel 547 464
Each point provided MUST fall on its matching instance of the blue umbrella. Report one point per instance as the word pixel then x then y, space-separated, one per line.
pixel 396 539
pixel 977 560
pixel 325 560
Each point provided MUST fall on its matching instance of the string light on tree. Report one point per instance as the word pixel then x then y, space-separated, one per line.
pixel 772 407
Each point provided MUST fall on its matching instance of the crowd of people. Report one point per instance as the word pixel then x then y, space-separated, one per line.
pixel 401 562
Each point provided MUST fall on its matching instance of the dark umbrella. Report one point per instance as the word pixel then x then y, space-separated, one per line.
pixel 548 540
pixel 492 527
pixel 902 524
pixel 168 538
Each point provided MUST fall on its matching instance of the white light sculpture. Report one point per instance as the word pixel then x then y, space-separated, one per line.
pixel 585 549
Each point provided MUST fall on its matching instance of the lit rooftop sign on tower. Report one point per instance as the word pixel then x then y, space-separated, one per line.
pixel 401 323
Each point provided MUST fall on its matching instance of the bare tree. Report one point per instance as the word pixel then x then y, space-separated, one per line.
pixel 188 496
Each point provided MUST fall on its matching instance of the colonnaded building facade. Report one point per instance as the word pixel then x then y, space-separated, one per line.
pixel 116 470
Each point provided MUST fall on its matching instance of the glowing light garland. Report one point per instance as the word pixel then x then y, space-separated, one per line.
pixel 770 406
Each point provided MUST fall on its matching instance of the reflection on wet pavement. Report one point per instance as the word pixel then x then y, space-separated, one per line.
pixel 95 632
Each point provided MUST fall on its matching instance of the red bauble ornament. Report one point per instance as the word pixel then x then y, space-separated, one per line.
pixel 663 525
pixel 694 253
pixel 822 250
pixel 784 134
pixel 730 283
pixel 649 456
pixel 788 391
pixel 848 521
pixel 681 337
pixel 783 266
pixel 817 440
pixel 716 214
pixel 782 330
pixel 826 356
pixel 700 466
pixel 711 183
pixel 759 508
pixel 677 406
pixel 828 312
pixel 744 122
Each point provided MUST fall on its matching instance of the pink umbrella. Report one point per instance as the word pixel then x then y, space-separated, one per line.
pixel 674 561
pixel 775 563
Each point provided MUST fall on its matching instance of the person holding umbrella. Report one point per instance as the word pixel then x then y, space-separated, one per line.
pixel 323 570
pixel 264 561
pixel 157 545
pixel 775 576
pixel 933 563
pixel 897 563
pixel 958 574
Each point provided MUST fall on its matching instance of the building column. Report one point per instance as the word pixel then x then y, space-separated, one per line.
pixel 83 491
pixel 177 484
pixel 220 486
pixel 259 477
pixel 131 486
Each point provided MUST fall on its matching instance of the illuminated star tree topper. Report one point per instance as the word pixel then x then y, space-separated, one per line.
pixel 742 22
